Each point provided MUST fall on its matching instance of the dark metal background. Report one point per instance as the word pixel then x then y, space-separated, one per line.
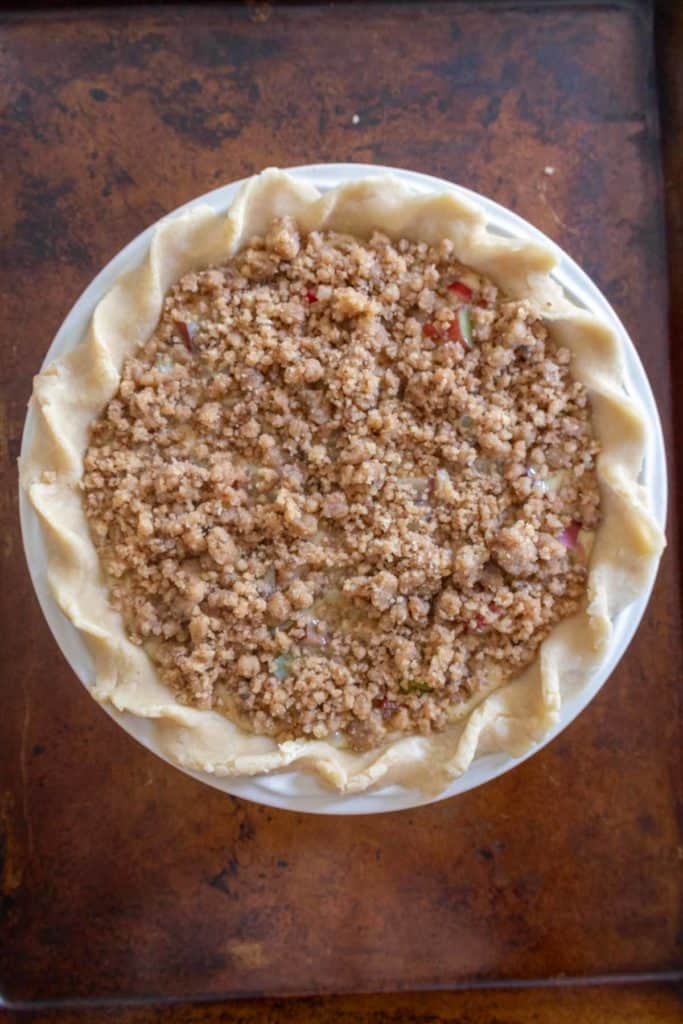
pixel 122 877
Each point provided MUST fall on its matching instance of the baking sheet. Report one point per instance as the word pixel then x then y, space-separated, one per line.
pixel 124 878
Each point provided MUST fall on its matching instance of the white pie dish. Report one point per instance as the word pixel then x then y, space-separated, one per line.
pixel 294 789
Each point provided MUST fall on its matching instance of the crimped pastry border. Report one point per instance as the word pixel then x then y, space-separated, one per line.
pixel 73 390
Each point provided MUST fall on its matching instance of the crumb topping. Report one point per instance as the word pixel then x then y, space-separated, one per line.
pixel 345 486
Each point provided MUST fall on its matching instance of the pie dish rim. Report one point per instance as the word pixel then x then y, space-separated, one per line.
pixel 386 798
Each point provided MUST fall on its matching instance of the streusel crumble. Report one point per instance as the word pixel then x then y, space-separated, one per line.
pixel 344 486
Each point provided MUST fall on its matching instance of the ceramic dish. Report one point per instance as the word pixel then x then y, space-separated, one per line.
pixel 294 789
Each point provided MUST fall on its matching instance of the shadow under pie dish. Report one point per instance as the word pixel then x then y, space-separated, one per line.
pixel 341 482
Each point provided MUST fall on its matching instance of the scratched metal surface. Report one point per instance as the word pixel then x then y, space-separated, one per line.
pixel 588 1004
pixel 120 876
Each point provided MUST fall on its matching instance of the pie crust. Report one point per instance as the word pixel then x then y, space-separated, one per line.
pixel 74 389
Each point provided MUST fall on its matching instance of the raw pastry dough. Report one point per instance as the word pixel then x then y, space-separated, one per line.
pixel 73 390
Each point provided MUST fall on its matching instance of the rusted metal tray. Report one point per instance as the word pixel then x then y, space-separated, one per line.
pixel 124 879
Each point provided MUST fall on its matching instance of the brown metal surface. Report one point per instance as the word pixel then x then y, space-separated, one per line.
pixel 121 876
pixel 602 1004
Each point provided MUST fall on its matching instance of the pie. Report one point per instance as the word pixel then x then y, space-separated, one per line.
pixel 342 482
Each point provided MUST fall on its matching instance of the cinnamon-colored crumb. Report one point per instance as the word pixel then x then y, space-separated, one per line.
pixel 320 508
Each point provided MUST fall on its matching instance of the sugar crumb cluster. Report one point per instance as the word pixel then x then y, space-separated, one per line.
pixel 345 487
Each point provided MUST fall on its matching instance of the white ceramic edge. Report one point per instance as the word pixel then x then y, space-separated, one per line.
pixel 296 790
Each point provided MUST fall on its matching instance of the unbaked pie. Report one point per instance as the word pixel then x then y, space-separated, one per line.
pixel 343 481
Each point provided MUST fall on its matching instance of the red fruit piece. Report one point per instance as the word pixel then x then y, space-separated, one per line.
pixel 454 332
pixel 461 289
pixel 311 296
pixel 387 708
pixel 570 535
